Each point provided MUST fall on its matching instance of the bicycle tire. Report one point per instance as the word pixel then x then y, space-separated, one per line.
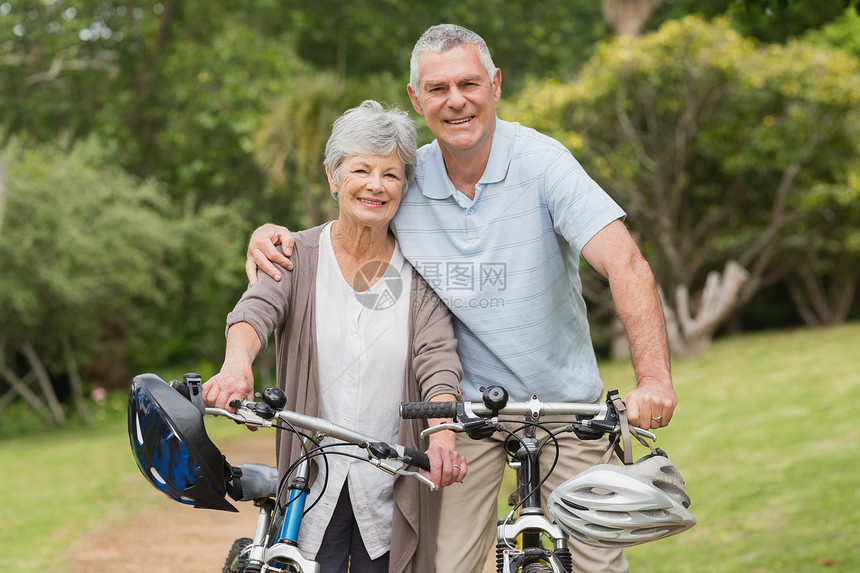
pixel 236 561
pixel 537 568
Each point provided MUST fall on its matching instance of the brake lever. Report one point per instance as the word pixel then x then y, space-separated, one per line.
pixel 242 415
pixel 422 478
pixel 395 465
pixel 643 433
pixel 452 426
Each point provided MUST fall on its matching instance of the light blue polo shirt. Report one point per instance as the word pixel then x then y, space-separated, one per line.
pixel 506 263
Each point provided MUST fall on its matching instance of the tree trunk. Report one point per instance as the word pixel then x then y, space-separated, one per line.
pixel 817 304
pixel 20 386
pixel 628 17
pixel 41 373
pixel 691 327
pixel 2 192
pixel 75 382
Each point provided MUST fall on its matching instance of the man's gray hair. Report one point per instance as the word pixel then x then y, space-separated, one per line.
pixel 443 37
pixel 369 129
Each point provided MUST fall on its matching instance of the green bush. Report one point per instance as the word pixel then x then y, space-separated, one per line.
pixel 103 274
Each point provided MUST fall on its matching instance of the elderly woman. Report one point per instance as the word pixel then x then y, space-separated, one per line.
pixel 358 331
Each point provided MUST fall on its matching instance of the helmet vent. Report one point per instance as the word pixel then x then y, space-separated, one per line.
pixel 137 426
pixel 656 532
pixel 594 493
pixel 569 503
pixel 595 528
pixel 673 491
pixel 613 515
pixel 656 513
pixel 157 476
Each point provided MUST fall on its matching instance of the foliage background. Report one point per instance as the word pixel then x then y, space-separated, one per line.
pixel 144 139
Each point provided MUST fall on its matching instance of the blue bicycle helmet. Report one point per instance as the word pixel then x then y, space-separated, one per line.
pixel 171 446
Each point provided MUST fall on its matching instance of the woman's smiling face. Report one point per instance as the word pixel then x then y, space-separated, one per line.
pixel 369 189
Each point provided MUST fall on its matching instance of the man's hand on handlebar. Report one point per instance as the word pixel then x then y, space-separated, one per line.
pixel 650 405
pixel 262 252
pixel 448 465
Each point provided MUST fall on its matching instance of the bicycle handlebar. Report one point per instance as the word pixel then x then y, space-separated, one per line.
pixel 422 410
pixel 425 410
pixel 478 418
pixel 391 458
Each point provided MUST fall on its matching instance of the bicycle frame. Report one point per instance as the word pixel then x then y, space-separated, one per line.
pixel 284 551
pixel 531 524
pixel 274 547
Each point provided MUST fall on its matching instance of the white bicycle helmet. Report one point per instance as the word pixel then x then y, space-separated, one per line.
pixel 621 506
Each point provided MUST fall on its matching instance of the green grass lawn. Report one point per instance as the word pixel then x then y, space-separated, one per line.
pixel 60 484
pixel 765 435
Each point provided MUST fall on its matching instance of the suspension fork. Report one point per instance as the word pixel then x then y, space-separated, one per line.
pixel 288 531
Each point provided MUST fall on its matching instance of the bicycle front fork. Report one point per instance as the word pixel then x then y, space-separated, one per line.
pixel 531 526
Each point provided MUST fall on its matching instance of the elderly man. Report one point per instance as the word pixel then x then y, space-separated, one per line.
pixel 496 221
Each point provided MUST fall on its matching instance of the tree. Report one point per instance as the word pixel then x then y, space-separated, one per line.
pixel 842 33
pixel 52 308
pixel 628 17
pixel 91 266
pixel 176 88
pixel 376 36
pixel 780 20
pixel 714 147
pixel 51 56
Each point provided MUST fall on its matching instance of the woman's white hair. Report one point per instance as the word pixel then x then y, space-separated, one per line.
pixel 369 129
pixel 443 37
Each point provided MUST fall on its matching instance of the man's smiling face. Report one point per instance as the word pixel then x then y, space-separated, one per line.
pixel 457 98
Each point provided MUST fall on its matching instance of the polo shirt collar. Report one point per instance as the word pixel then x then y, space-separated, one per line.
pixel 436 184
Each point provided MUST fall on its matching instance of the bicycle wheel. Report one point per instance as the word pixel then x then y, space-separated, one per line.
pixel 537 568
pixel 238 556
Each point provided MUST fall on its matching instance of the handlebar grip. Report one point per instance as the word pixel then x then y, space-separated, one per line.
pixel 416 458
pixel 424 410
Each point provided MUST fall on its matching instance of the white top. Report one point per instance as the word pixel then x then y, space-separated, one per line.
pixel 363 344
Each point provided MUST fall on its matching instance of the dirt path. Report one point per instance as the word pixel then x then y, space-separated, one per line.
pixel 175 538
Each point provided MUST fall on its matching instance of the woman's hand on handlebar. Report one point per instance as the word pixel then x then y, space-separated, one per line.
pixel 236 379
pixel 262 252
pixel 226 386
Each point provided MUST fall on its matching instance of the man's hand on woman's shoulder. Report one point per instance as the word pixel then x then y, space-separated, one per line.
pixel 262 252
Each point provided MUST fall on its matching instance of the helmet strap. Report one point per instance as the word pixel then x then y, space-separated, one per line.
pixel 195 390
pixel 621 444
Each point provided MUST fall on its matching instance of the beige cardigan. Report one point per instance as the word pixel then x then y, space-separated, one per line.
pixel 287 307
